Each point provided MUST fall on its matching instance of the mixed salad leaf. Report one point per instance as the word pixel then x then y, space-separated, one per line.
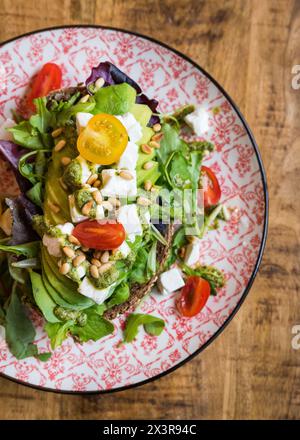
pixel 59 254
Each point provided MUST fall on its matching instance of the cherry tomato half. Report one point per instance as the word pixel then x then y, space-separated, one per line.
pixel 48 79
pixel 194 296
pixel 211 187
pixel 103 140
pixel 102 236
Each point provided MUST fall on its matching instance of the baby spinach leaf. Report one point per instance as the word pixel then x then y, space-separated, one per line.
pixel 44 119
pixel 29 250
pixel 115 100
pixel 20 332
pixel 120 295
pixel 35 194
pixel 170 143
pixel 152 324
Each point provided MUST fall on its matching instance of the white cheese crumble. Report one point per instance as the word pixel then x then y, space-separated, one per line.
pixel 87 289
pixel 170 281
pixel 128 216
pixel 198 121
pixel 114 185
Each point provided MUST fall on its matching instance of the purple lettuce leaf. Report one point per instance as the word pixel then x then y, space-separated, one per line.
pixel 12 153
pixel 112 75
pixel 22 210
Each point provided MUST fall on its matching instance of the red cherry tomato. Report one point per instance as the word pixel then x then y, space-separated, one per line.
pixel 211 187
pixel 48 79
pixel 102 236
pixel 194 296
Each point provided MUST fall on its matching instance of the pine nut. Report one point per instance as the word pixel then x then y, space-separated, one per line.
pixel 115 202
pixel 157 137
pixel 62 184
pixel 78 260
pixel 69 252
pixel 126 175
pixel 94 271
pixel 148 165
pixel 85 98
pixel 146 149
pixel 106 178
pixel 143 201
pixel 64 268
pixel 57 132
pixel 99 83
pixel 65 160
pixel 54 208
pixel 147 185
pixel 97 197
pixel 92 179
pixel 105 257
pixel 74 240
pixel 86 186
pixel 105 267
pixel 97 254
pixel 87 208
pixel 95 262
pixel 154 144
pixel 97 183
pixel 60 145
pixel 156 127
pixel 107 205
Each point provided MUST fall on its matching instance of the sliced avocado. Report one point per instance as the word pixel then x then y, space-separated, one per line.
pixel 147 135
pixel 152 175
pixel 57 298
pixel 42 298
pixel 143 158
pixel 63 285
pixel 54 193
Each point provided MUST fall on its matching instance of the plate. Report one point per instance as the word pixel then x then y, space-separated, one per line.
pixel 236 248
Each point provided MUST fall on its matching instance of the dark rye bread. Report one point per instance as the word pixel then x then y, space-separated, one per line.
pixel 138 291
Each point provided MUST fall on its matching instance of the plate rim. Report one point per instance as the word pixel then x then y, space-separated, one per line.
pixel 266 212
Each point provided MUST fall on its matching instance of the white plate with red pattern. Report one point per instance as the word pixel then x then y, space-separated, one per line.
pixel 236 247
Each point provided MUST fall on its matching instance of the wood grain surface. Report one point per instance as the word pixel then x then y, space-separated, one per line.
pixel 251 370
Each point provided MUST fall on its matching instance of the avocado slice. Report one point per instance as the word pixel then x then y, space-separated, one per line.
pixel 57 298
pixel 66 288
pixel 54 193
pixel 42 298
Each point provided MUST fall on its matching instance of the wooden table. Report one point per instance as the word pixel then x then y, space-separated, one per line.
pixel 249 46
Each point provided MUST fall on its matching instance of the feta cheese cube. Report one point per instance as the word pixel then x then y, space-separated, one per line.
pixel 132 126
pixel 99 212
pixel 81 270
pixel 129 158
pixel 192 253
pixel 87 289
pixel 128 216
pixel 53 245
pixel 170 281
pixel 114 185
pixel 198 121
pixel 82 120
pixel 76 215
pixel 4 134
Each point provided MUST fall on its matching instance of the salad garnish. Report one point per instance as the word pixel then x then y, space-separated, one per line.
pixel 113 200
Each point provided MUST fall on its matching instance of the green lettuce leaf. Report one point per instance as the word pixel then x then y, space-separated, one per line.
pixel 120 295
pixel 29 250
pixel 27 136
pixel 96 327
pixel 152 325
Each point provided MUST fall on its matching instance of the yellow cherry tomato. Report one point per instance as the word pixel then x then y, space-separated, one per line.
pixel 103 140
